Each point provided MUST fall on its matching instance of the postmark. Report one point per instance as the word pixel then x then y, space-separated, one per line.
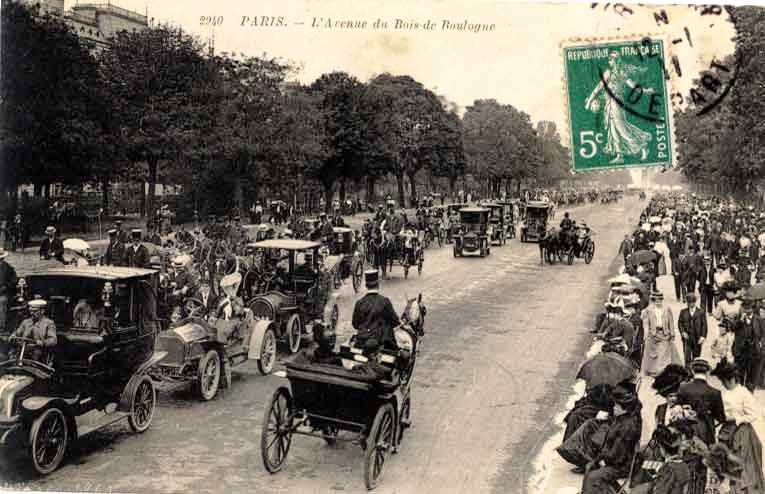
pixel 617 98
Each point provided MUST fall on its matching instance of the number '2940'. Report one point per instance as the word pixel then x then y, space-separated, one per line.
pixel 211 20
pixel 589 143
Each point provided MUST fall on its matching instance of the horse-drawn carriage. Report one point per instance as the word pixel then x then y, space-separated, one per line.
pixel 534 226
pixel 95 375
pixel 582 245
pixel 351 262
pixel 473 235
pixel 340 403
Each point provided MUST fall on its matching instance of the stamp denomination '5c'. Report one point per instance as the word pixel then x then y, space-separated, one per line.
pixel 619 113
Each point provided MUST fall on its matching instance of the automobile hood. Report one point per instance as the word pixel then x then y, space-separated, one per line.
pixel 10 385
pixel 189 332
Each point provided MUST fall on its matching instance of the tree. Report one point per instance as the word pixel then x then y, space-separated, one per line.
pixel 48 96
pixel 152 76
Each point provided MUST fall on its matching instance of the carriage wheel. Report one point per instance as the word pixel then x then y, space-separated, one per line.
pixel 590 253
pixel 142 408
pixel 48 438
pixel 379 442
pixel 571 256
pixel 358 274
pixel 276 434
pixel 294 332
pixel 267 353
pixel 404 422
pixel 208 376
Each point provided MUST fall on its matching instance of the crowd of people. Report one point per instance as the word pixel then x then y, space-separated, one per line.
pixel 704 365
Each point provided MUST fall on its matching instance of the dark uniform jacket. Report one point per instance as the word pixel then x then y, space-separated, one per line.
pixel 707 402
pixel 621 441
pixel 8 280
pixel 53 248
pixel 375 317
pixel 695 326
pixel 137 258
pixel 115 254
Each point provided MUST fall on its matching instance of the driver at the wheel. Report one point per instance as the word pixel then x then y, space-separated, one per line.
pixel 374 315
pixel 566 223
pixel 39 328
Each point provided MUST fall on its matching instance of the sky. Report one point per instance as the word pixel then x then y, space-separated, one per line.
pixel 518 61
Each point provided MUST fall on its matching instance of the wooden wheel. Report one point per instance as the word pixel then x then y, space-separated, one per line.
pixel 267 353
pixel 143 404
pixel 208 376
pixel 294 332
pixel 590 252
pixel 571 256
pixel 379 443
pixel 276 434
pixel 48 439
pixel 358 275
pixel 404 421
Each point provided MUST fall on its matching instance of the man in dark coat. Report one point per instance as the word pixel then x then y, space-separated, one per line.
pixel 692 324
pixel 52 246
pixel 7 288
pixel 374 315
pixel 758 351
pixel 706 276
pixel 705 400
pixel 625 248
pixel 743 343
pixel 136 254
pixel 115 252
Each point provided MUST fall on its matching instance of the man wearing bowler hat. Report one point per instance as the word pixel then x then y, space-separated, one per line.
pixel 115 252
pixel 137 255
pixel 692 323
pixel 374 315
pixel 705 400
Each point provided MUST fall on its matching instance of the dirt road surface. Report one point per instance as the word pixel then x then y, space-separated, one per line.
pixel 505 336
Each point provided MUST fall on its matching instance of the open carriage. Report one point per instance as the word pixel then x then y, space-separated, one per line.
pixel 339 403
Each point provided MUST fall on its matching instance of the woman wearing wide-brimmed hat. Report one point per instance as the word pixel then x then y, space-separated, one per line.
pixel 741 411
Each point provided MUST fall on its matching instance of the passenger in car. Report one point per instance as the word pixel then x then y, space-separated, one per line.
pixel 84 316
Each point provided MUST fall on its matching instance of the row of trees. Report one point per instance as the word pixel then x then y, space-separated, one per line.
pixel 156 106
pixel 725 147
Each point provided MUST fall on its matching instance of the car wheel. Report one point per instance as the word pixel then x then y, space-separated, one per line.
pixel 143 404
pixel 48 440
pixel 294 333
pixel 208 376
pixel 267 353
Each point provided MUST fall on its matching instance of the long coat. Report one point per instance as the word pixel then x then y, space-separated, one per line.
pixel 695 326
pixel 375 317
pixel 707 402
pixel 137 258
pixel 661 340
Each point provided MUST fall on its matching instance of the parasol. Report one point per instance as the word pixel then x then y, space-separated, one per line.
pixel 643 256
pixel 76 244
pixel 756 292
pixel 606 368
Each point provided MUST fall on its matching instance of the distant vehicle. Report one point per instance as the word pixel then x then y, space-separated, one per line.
pixel 534 227
pixel 473 233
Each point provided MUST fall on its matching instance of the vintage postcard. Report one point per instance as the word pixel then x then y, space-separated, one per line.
pixel 444 246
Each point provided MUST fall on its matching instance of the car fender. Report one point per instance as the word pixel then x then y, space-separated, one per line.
pixel 39 403
pixel 258 332
pixel 151 362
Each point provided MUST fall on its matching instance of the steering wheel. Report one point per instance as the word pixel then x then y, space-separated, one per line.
pixel 28 341
pixel 193 305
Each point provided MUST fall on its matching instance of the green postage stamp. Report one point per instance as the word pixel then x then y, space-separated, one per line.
pixel 619 113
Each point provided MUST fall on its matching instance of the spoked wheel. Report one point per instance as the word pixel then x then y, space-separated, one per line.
pixel 144 403
pixel 48 438
pixel 358 274
pixel 294 332
pixel 590 253
pixel 404 421
pixel 267 353
pixel 379 443
pixel 276 435
pixel 208 376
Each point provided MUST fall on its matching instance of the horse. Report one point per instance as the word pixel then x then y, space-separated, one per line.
pixel 414 314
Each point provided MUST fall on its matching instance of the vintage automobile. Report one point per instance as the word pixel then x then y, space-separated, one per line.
pixel 300 293
pixel 473 234
pixel 260 232
pixel 534 226
pixel 203 349
pixel 97 373
pixel 497 227
pixel 323 399
pixel 350 262
pixel 453 213
pixel 509 211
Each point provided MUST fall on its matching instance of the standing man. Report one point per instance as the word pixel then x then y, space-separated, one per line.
pixel 625 248
pixel 121 234
pixel 137 255
pixel 115 252
pixel 743 344
pixel 707 284
pixel 374 316
pixel 7 288
pixel 692 323
pixel 758 350
pixel 51 246
pixel 705 400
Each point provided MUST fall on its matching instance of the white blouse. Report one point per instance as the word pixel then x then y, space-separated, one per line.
pixel 740 405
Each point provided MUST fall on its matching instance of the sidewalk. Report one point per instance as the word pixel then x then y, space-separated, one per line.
pixel 552 475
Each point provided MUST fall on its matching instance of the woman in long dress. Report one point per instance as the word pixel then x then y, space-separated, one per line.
pixel 743 414
pixel 622 136
pixel 661 337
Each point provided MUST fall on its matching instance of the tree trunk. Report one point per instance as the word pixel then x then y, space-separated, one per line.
pixel 370 189
pixel 238 193
pixel 400 184
pixel 105 197
pixel 342 191
pixel 328 197
pixel 153 165
pixel 413 188
pixel 46 191
pixel 452 185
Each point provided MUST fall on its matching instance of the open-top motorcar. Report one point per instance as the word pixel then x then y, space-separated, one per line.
pixel 473 235
pixel 95 375
pixel 534 226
